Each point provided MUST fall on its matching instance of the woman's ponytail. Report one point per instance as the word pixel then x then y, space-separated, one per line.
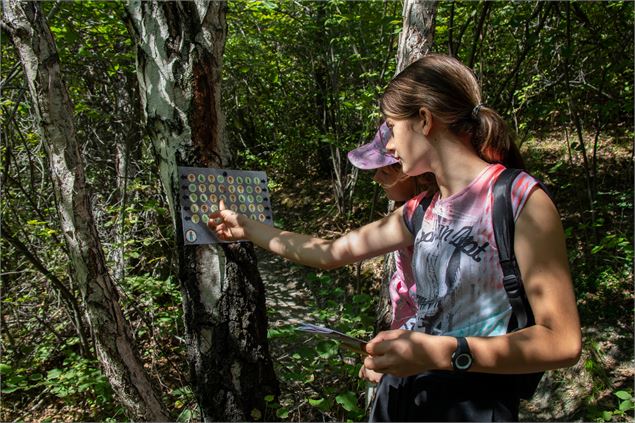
pixel 492 139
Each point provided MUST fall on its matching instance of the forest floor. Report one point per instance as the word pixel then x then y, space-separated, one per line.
pixel 580 393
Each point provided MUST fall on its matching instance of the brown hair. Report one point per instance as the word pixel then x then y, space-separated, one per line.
pixel 451 92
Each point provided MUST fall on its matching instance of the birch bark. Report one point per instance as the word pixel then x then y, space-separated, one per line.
pixel 179 59
pixel 417 35
pixel 34 42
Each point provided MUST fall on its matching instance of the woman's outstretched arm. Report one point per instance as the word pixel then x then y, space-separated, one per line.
pixel 371 240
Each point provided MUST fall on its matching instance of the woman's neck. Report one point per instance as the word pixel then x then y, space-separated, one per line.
pixel 456 165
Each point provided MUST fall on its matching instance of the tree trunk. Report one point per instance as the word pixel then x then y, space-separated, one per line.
pixel 114 346
pixel 418 31
pixel 179 58
pixel 127 147
pixel 415 42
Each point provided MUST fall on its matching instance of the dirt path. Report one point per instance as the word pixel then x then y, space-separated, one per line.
pixel 287 296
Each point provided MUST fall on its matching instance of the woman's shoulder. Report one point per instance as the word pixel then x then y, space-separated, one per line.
pixel 522 186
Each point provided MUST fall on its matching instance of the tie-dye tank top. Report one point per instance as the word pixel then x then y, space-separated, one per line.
pixel 455 260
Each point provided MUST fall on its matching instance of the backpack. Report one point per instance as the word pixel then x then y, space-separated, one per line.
pixel 502 213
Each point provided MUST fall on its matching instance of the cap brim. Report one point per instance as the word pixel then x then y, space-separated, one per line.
pixel 368 157
pixel 373 154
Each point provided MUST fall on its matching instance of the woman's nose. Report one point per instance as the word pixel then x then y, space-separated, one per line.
pixel 390 146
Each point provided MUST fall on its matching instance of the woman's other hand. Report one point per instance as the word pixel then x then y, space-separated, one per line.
pixel 405 352
pixel 370 375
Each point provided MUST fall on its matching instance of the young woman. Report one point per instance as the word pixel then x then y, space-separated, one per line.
pixel 439 125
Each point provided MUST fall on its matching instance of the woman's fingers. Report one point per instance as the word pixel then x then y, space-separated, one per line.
pixel 224 223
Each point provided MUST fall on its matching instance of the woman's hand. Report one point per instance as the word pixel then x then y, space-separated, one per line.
pixel 370 375
pixel 405 352
pixel 227 224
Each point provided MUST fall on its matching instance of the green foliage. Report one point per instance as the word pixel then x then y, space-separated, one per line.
pixel 321 67
pixel 623 410
pixel 315 363
pixel 77 381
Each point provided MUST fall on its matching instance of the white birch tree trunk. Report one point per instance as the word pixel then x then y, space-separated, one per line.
pixel 179 59
pixel 417 36
pixel 114 346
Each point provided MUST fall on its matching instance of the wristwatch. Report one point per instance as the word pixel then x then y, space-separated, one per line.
pixel 462 357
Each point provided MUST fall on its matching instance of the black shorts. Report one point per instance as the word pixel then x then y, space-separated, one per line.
pixel 446 396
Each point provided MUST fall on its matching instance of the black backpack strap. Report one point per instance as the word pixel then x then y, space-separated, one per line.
pixel 504 225
pixel 415 220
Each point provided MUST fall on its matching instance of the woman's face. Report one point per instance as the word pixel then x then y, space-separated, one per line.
pixel 409 145
pixel 398 187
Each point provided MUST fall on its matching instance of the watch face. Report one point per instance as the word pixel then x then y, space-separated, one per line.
pixel 463 361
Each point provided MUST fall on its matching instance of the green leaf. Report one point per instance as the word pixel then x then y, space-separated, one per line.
pixel 626 405
pixel 597 249
pixel 326 349
pixel 316 402
pixel 256 414
pixel 185 416
pixel 348 401
pixel 53 374
pixel 283 413
pixel 36 376
pixel 623 395
pixel 4 369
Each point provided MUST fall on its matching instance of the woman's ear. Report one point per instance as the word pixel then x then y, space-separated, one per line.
pixel 426 120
